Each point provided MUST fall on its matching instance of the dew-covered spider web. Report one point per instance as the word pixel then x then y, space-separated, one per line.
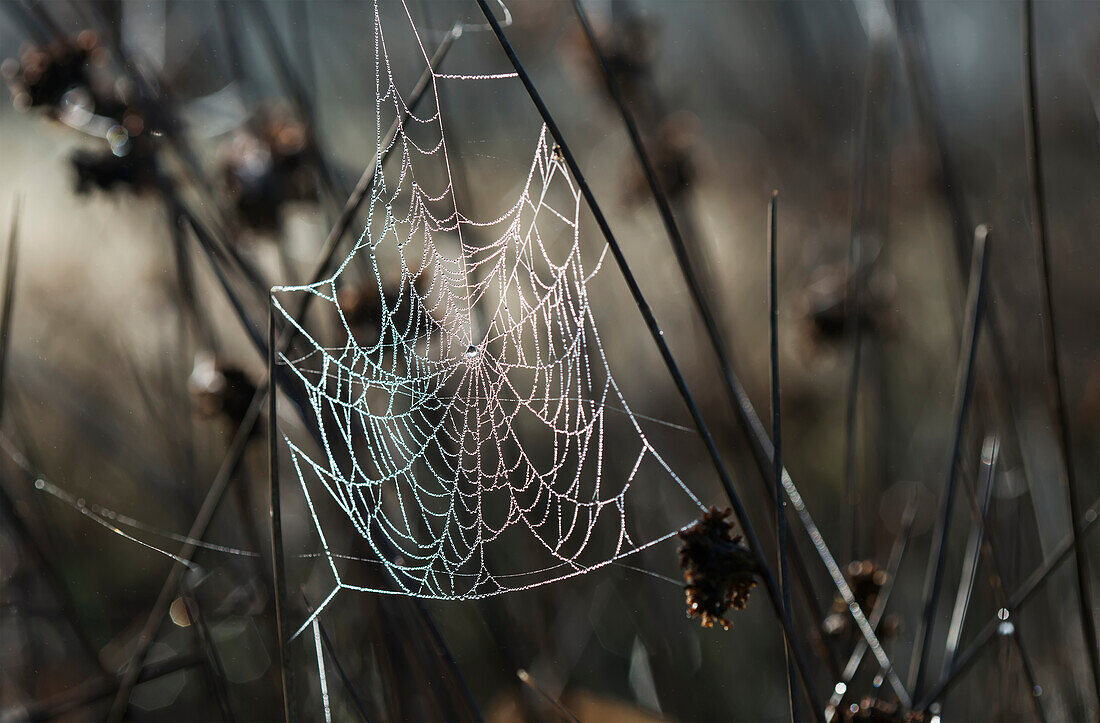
pixel 468 409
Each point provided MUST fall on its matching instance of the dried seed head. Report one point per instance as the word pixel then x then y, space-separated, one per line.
pixel 718 569
pixel 874 710
pixel 220 390
pixel 866 580
pixel 266 165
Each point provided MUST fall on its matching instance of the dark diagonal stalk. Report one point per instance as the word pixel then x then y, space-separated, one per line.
pixel 777 440
pixel 1032 139
pixel 746 417
pixel 759 442
pixel 666 354
pixel 226 472
pixel 11 265
pixel 923 93
pixel 964 381
pixel 869 136
pixel 529 680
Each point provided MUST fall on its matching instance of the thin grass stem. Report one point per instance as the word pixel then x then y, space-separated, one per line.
pixel 759 444
pixel 777 441
pixel 964 381
pixel 1033 141
pixel 278 568
pixel 666 354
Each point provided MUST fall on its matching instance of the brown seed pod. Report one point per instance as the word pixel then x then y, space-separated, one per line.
pixel 866 580
pixel 266 165
pixel 874 710
pixel 220 390
pixel 718 569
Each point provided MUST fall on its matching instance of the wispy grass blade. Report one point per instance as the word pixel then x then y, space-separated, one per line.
pixel 777 441
pixel 964 382
pixel 985 543
pixel 969 574
pixel 1023 594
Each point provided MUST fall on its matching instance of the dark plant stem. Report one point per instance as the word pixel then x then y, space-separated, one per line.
pixel 226 472
pixel 964 381
pixel 751 427
pixel 278 570
pixel 94 691
pixel 213 661
pixel 12 263
pixel 777 441
pixel 923 93
pixel 985 533
pixel 1024 593
pixel 969 574
pixel 897 551
pixel 1060 420
pixel 235 453
pixel 554 703
pixel 294 88
pixel 854 303
pixel 666 354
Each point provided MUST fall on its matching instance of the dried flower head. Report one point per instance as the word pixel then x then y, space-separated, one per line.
pixel 827 303
pixel 129 162
pixel 866 580
pixel 42 75
pixel 219 389
pixel 719 570
pixel 874 710
pixel 672 155
pixel 629 47
pixel 266 165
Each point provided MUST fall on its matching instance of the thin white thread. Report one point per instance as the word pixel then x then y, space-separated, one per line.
pixel 470 412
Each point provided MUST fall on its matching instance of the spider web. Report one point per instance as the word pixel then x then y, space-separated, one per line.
pixel 464 412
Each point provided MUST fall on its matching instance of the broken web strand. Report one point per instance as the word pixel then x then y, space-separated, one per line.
pixel 552 318
pixel 322 677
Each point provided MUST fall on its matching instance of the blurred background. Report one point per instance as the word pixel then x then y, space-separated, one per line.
pixel 165 163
